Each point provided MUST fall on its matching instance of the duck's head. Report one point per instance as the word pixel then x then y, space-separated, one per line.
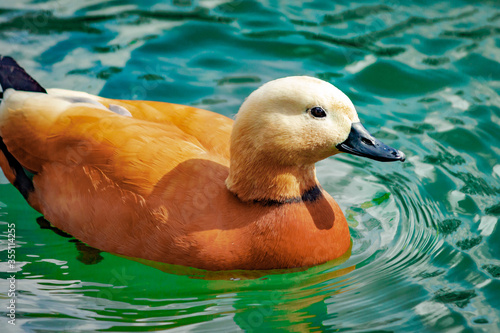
pixel 298 121
pixel 301 120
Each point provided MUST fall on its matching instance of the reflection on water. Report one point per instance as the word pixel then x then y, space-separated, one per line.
pixel 424 78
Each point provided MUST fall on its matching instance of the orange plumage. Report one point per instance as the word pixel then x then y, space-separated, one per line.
pixel 150 180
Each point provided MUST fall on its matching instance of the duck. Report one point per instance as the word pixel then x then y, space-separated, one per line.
pixel 181 185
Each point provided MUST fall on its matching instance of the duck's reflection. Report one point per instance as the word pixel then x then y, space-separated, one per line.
pixel 289 299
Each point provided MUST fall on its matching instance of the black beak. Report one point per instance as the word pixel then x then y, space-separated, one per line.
pixel 360 142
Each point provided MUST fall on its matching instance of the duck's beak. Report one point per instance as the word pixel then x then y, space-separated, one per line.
pixel 360 142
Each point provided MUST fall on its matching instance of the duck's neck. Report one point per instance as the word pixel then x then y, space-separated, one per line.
pixel 260 179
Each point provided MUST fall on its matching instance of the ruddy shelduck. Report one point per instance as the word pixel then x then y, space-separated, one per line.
pixel 181 185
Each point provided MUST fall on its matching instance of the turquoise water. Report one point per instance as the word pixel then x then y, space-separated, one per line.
pixel 425 78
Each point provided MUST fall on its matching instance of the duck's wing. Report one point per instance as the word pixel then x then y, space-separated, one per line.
pixel 51 130
pixel 212 130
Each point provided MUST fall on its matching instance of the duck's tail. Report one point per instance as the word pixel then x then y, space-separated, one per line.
pixel 13 76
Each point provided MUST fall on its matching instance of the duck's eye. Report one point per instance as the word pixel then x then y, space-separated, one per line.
pixel 318 112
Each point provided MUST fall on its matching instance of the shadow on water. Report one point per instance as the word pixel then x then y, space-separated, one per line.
pixel 87 254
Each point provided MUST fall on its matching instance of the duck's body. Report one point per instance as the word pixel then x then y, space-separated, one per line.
pixel 168 182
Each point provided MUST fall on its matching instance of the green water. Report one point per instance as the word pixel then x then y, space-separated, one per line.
pixel 425 78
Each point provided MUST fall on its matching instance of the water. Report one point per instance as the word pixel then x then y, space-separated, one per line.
pixel 424 77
